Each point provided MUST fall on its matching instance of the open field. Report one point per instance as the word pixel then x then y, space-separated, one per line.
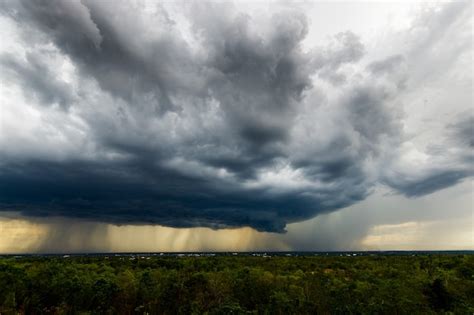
pixel 238 284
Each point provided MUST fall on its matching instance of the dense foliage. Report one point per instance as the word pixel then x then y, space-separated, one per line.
pixel 238 285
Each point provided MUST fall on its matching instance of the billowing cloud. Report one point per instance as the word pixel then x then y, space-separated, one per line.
pixel 213 116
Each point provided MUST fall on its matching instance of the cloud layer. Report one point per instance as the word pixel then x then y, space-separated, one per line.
pixel 206 115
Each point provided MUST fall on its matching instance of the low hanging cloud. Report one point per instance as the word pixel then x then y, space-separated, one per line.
pixel 212 117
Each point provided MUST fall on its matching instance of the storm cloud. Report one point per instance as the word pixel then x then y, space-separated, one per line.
pixel 135 114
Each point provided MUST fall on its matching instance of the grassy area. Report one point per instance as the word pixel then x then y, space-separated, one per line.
pixel 238 285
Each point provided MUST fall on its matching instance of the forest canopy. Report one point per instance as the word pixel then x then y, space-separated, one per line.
pixel 135 284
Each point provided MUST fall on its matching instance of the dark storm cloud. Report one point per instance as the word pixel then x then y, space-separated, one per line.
pixel 102 44
pixel 127 194
pixel 224 130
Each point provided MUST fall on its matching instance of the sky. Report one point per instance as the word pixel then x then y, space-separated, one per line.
pixel 235 126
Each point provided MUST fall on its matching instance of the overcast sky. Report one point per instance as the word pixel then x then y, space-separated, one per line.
pixel 141 126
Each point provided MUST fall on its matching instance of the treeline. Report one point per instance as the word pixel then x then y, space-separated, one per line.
pixel 238 285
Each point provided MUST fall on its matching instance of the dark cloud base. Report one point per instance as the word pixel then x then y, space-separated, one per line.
pixel 99 192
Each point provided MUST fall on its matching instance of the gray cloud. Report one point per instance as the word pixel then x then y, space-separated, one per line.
pixel 387 65
pixel 37 79
pixel 223 126
pixel 450 162
pixel 462 132
pixel 428 183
